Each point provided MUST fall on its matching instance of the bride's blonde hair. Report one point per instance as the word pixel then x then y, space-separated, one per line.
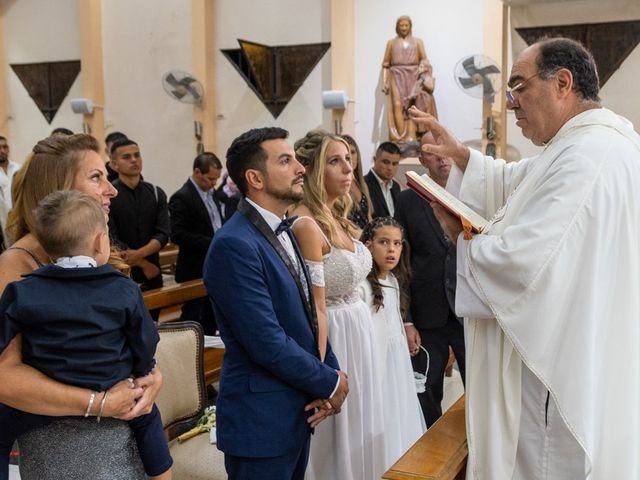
pixel 315 193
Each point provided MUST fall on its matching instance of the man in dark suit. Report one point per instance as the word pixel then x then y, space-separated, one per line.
pixel 433 322
pixel 273 386
pixel 138 217
pixel 383 189
pixel 196 214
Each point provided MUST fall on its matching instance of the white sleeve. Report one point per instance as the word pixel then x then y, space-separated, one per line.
pixel 469 302
pixel 316 272
pixel 486 182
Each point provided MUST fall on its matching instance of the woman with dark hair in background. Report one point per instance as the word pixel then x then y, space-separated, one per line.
pixel 360 213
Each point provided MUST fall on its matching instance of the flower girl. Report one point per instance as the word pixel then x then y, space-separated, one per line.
pixel 385 291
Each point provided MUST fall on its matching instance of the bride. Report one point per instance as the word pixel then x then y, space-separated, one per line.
pixel 348 446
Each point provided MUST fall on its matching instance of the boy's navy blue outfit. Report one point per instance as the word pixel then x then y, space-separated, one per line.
pixel 86 327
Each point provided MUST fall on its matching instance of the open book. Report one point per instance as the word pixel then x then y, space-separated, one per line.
pixel 429 190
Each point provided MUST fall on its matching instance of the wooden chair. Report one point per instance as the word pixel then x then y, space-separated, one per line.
pixel 182 401
pixel 170 300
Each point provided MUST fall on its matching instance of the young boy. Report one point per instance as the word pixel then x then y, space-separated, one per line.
pixel 82 322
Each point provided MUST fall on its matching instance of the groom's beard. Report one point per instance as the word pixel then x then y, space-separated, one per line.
pixel 287 194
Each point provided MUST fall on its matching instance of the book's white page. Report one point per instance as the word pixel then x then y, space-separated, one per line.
pixel 446 199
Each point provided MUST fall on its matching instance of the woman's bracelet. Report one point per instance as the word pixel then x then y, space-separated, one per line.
pixel 102 402
pixel 91 399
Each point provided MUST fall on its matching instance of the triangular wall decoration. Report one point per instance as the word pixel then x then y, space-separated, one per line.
pixel 48 83
pixel 610 42
pixel 275 73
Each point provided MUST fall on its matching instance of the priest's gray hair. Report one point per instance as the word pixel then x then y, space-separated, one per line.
pixel 558 53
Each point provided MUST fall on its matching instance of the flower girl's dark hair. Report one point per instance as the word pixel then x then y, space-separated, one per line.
pixel 402 271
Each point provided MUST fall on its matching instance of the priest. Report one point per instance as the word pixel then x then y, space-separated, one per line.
pixel 550 290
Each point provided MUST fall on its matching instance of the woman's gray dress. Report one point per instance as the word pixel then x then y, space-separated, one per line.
pixel 78 449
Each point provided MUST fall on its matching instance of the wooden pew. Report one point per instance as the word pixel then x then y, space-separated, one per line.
pixel 170 299
pixel 168 258
pixel 212 364
pixel 440 454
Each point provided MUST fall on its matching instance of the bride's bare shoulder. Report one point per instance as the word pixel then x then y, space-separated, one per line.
pixel 301 211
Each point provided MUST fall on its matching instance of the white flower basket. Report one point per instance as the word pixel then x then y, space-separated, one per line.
pixel 419 378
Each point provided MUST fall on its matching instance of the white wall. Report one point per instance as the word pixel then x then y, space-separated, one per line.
pixel 143 39
pixel 308 21
pixel 38 31
pixel 449 30
pixel 620 92
pixel 274 22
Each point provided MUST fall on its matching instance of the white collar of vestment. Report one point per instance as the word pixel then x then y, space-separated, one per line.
pixel 76 261
pixel 594 116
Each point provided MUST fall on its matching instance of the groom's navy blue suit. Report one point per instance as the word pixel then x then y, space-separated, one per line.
pixel 271 368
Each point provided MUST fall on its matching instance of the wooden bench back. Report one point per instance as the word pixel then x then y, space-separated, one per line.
pixel 440 454
pixel 173 295
pixel 170 299
pixel 168 258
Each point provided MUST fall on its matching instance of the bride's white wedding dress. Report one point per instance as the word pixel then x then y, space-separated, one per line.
pixel 350 445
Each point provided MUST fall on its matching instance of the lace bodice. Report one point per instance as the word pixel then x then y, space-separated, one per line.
pixel 343 272
pixel 340 272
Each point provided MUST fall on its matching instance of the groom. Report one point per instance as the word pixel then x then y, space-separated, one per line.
pixel 272 386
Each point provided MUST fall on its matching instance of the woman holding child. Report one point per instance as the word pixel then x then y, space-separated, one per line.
pixel 348 446
pixel 76 447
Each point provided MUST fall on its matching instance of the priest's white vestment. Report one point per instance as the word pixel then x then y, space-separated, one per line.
pixel 557 278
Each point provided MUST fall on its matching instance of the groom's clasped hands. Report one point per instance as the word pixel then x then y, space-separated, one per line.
pixel 332 406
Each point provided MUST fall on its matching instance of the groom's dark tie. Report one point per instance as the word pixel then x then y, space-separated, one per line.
pixel 285 225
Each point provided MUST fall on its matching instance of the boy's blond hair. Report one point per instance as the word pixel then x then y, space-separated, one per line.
pixel 66 222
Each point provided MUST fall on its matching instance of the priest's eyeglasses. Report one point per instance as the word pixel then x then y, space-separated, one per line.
pixel 510 92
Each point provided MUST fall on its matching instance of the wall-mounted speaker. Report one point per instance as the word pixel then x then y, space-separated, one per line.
pixel 334 99
pixel 82 105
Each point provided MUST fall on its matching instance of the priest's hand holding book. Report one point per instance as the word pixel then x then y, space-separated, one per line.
pixel 453 215
pixel 451 224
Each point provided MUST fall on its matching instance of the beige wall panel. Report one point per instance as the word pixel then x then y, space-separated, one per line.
pixel 449 31
pixel 143 39
pixel 273 22
pixel 38 31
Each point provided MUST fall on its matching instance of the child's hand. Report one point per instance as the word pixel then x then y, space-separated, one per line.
pixel 121 399
pixel 150 386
